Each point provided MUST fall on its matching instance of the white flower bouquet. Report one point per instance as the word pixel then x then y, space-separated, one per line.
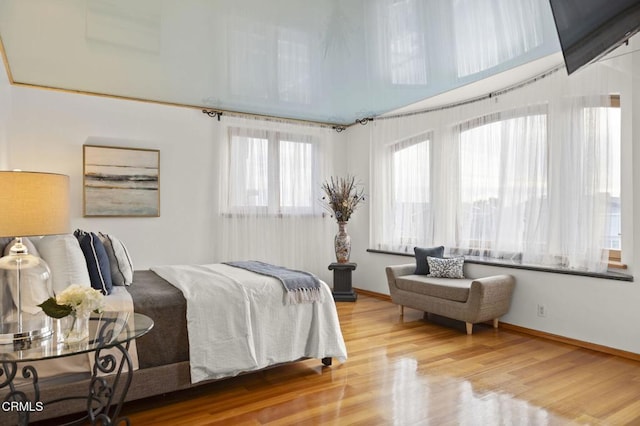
pixel 76 300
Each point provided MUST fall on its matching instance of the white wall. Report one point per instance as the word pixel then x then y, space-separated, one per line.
pixel 49 128
pixel 599 311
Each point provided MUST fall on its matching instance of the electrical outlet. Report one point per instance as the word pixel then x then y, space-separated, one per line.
pixel 542 311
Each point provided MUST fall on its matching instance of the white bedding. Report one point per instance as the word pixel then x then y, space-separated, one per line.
pixel 237 321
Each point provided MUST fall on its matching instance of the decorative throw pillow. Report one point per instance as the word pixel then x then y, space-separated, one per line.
pixel 446 268
pixel 119 259
pixel 65 259
pixel 422 267
pixel 95 255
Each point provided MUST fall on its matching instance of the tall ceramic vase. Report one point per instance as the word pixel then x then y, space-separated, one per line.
pixel 342 243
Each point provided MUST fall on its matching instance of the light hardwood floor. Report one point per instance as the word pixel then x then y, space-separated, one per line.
pixel 411 371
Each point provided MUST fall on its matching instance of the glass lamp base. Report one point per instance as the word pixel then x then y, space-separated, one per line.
pixel 25 282
pixel 34 327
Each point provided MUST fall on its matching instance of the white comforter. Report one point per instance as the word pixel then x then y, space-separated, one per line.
pixel 237 321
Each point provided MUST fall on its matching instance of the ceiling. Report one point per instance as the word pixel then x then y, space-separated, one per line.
pixel 329 61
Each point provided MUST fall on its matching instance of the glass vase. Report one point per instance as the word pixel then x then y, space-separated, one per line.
pixel 342 243
pixel 73 328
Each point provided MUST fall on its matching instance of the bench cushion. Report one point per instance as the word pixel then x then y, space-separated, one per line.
pixel 443 288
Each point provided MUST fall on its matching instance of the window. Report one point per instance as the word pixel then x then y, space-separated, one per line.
pixel 601 125
pixel 271 172
pixel 531 175
pixel 505 209
pixel 502 181
pixel 607 136
pixel 410 191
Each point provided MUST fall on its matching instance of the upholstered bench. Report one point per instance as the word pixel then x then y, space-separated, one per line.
pixel 464 299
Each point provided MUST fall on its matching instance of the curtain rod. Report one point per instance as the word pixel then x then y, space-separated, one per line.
pixel 477 99
pixel 215 112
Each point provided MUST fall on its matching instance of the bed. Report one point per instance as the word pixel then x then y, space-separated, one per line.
pixel 166 367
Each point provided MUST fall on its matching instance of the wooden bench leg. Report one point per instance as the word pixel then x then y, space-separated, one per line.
pixel 401 310
pixel 495 322
pixel 469 327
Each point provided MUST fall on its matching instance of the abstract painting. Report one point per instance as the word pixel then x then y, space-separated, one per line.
pixel 121 181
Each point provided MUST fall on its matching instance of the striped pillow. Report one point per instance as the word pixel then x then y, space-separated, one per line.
pixel 97 261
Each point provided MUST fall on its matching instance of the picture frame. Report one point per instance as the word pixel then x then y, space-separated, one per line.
pixel 120 181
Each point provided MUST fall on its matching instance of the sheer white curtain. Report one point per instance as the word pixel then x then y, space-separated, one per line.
pixel 531 175
pixel 268 193
pixel 502 172
pixel 401 200
pixel 582 181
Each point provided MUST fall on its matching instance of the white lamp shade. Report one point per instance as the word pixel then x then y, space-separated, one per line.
pixel 33 204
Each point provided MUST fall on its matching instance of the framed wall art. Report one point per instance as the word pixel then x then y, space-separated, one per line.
pixel 121 181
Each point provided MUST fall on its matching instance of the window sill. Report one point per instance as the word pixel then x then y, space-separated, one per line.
pixel 609 275
pixel 616 265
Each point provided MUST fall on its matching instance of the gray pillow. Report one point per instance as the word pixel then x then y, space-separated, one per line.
pixel 119 259
pixel 422 267
pixel 446 268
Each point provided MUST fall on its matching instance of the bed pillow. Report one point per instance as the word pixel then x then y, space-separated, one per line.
pixel 97 261
pixel 119 259
pixel 446 268
pixel 32 295
pixel 422 267
pixel 65 259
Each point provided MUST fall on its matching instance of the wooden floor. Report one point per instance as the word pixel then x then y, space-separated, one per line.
pixel 411 371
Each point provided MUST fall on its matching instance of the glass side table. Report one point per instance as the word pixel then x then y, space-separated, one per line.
pixel 110 335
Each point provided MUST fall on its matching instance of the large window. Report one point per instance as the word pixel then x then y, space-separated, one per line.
pixel 505 208
pixel 503 182
pixel 538 182
pixel 270 172
pixel 411 191
pixel 606 134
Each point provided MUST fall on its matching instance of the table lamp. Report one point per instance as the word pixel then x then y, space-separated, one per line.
pixel 31 204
